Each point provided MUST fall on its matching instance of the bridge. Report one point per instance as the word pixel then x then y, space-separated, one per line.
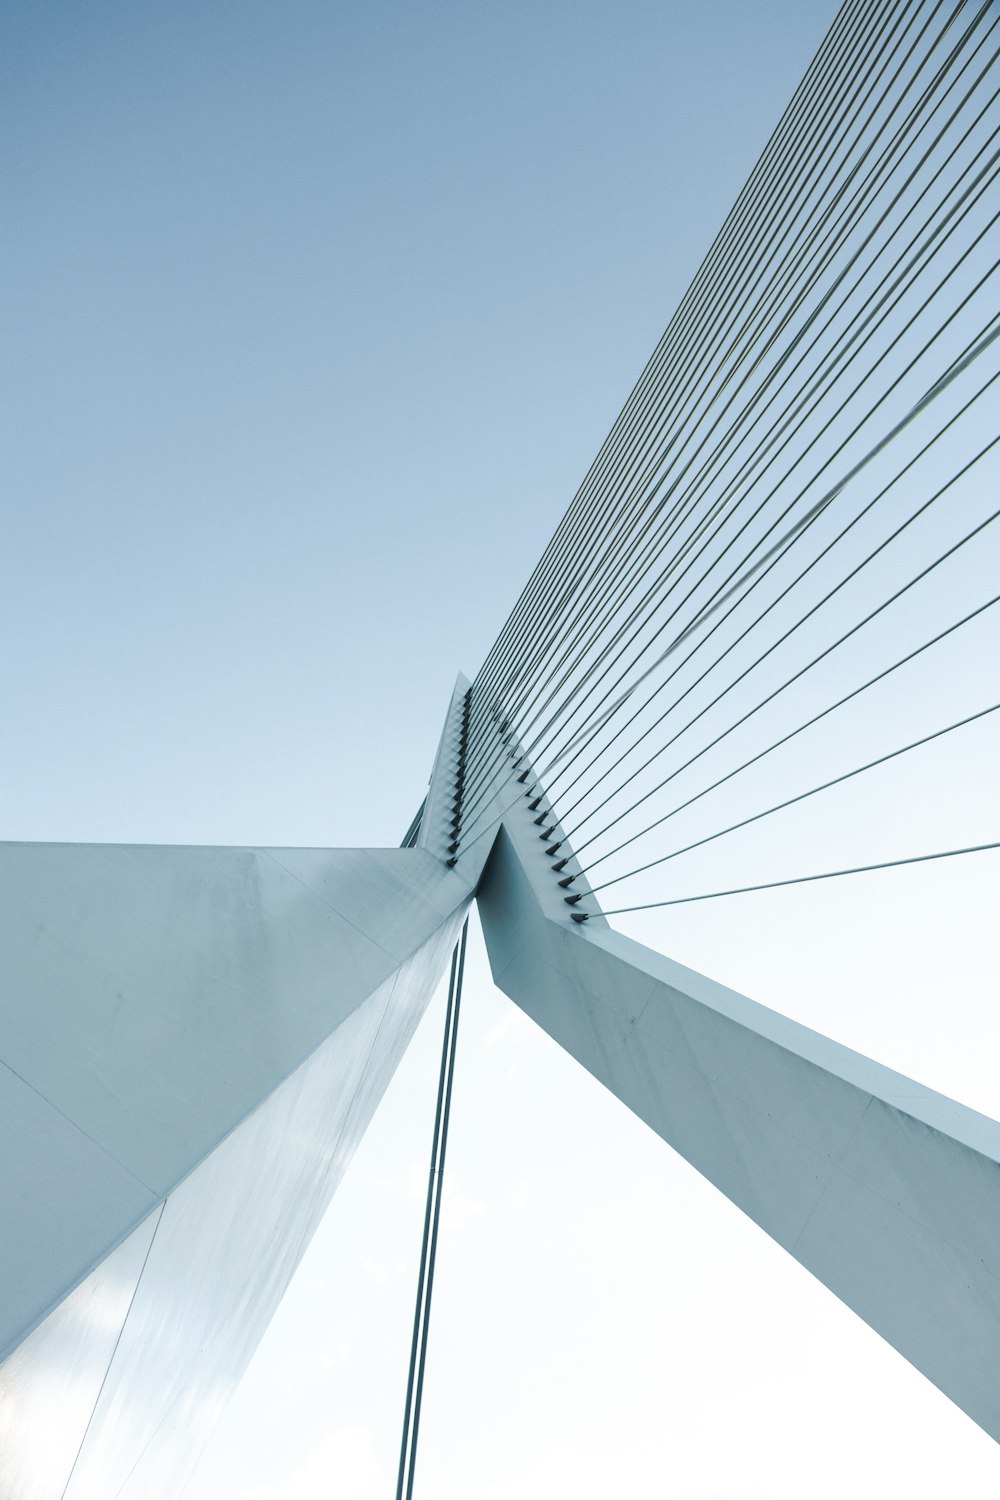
pixel 776 584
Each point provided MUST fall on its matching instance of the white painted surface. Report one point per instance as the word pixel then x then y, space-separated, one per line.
pixel 885 1190
pixel 51 1383
pixel 174 986
pixel 152 997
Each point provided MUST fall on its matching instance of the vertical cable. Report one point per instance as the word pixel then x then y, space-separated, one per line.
pixel 432 1216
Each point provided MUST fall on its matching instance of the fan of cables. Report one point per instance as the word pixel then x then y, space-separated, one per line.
pixel 779 574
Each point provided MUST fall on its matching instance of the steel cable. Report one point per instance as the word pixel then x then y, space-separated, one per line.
pixel 967 60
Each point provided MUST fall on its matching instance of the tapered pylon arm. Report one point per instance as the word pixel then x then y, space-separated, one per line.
pixel 886 1191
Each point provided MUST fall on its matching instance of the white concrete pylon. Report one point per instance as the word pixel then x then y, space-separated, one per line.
pixel 193 1039
pixel 886 1191
pixel 192 1042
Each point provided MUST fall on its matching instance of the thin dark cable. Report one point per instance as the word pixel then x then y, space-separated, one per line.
pixel 770 885
pixel 593 730
pixel 857 164
pixel 405 1447
pixel 838 354
pixel 958 365
pixel 663 419
pixel 705 393
pixel 824 786
pixel 814 661
pixel 673 330
pixel 783 594
pixel 803 573
pixel 818 82
pixel 488 741
pixel 802 618
pixel 922 252
pixel 792 734
pixel 956 368
pixel 815 719
pixel 432 1214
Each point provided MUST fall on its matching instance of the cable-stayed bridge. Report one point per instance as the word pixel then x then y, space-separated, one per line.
pixel 776 584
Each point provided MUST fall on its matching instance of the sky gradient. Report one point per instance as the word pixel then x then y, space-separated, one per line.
pixel 315 317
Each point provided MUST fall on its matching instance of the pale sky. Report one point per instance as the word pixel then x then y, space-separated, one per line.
pixel 316 315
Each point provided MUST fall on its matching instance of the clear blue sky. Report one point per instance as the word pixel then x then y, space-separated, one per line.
pixel 306 304
pixel 314 317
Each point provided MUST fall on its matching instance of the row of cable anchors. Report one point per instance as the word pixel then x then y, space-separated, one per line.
pixel 533 793
pixel 535 799
pixel 456 811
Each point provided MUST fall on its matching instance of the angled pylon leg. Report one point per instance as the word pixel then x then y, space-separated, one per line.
pixel 192 1042
pixel 886 1191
